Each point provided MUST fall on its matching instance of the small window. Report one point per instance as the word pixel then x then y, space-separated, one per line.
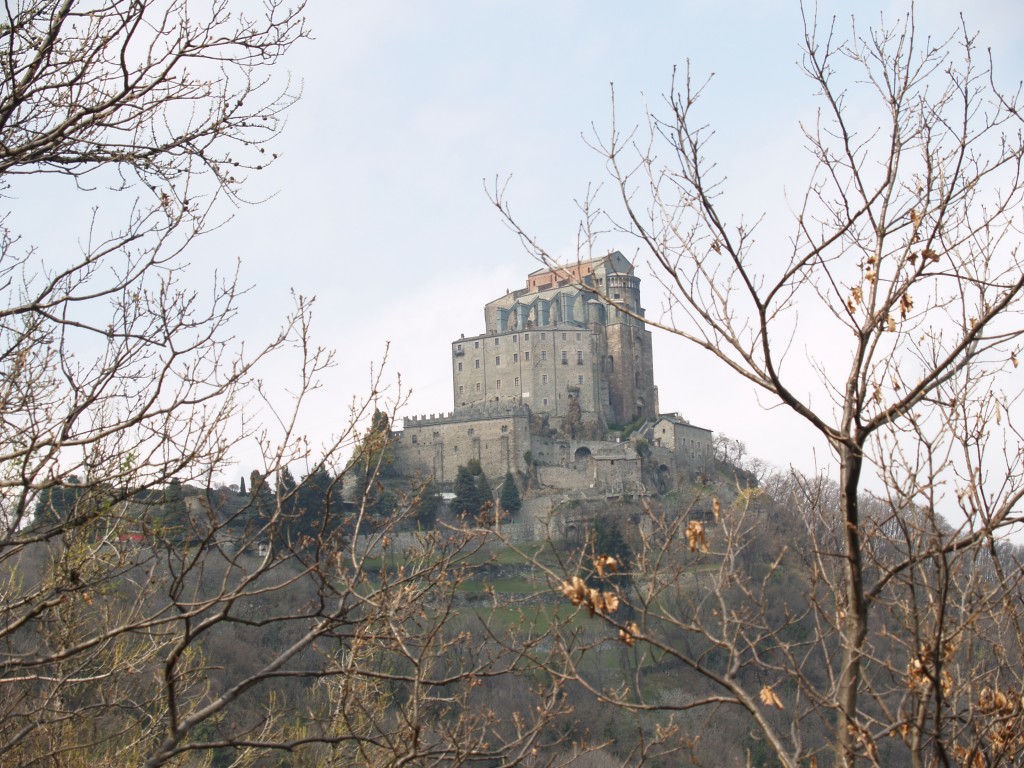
pixel 470 431
pixel 543 355
pixel 476 363
pixel 458 347
pixel 497 341
pixel 462 389
pixel 579 380
pixel 545 401
pixel 544 378
pixel 543 336
pixel 414 440
pixel 497 384
pixel 563 337
pixel 517 381
pixel 579 358
pixel 504 428
pixel 565 357
pixel 515 357
pixel 526 337
pixel 497 360
pixel 460 366
pixel 527 356
pixel 579 337
pixel 476 345
pixel 515 337
pixel 478 386
pixel 437 434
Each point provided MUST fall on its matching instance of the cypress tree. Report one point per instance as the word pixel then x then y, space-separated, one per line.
pixel 467 498
pixel 511 501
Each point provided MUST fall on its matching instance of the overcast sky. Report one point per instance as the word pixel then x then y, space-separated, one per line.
pixel 408 107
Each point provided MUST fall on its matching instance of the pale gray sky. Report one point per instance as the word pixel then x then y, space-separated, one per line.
pixel 408 107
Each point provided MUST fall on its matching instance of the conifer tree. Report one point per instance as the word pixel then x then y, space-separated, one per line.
pixel 467 497
pixel 511 501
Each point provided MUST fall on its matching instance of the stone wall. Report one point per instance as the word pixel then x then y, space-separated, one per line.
pixel 439 446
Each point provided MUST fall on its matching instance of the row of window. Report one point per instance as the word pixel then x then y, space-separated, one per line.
pixel 497 383
pixel 526 358
pixel 526 337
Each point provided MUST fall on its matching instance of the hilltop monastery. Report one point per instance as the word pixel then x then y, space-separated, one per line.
pixel 561 384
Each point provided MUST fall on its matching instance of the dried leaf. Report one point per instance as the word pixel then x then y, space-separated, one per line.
pixel 890 324
pixel 916 217
pixel 716 246
pixel 906 304
pixel 769 699
pixel 929 254
pixel 604 563
pixel 695 537
pixel 1013 359
pixel 716 508
pixel 629 633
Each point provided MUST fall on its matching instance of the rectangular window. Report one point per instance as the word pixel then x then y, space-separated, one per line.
pixel 543 336
pixel 545 401
pixel 565 357
pixel 437 434
pixel 470 431
pixel 579 380
pixel 526 337
pixel 497 341
pixel 543 355
pixel 497 360
pixel 476 363
pixel 462 389
pixel 527 358
pixel 414 440
pixel 517 381
pixel 579 337
pixel 458 347
pixel 504 428
pixel 478 386
pixel 544 379
pixel 515 357
pixel 515 337
pixel 460 366
pixel 579 358
pixel 476 345
pixel 497 384
pixel 563 337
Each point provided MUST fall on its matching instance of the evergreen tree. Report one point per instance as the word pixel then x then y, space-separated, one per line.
pixel 57 503
pixel 511 501
pixel 314 503
pixel 467 497
pixel 429 505
pixel 484 490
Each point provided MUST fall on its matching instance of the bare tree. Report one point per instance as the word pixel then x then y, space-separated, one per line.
pixel 903 280
pixel 147 619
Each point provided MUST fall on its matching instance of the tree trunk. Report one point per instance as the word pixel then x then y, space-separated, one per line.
pixel 854 622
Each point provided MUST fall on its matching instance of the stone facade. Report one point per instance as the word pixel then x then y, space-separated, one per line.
pixel 565 357
pixel 439 445
pixel 557 340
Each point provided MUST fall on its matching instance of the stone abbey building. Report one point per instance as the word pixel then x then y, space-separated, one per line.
pixel 564 363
